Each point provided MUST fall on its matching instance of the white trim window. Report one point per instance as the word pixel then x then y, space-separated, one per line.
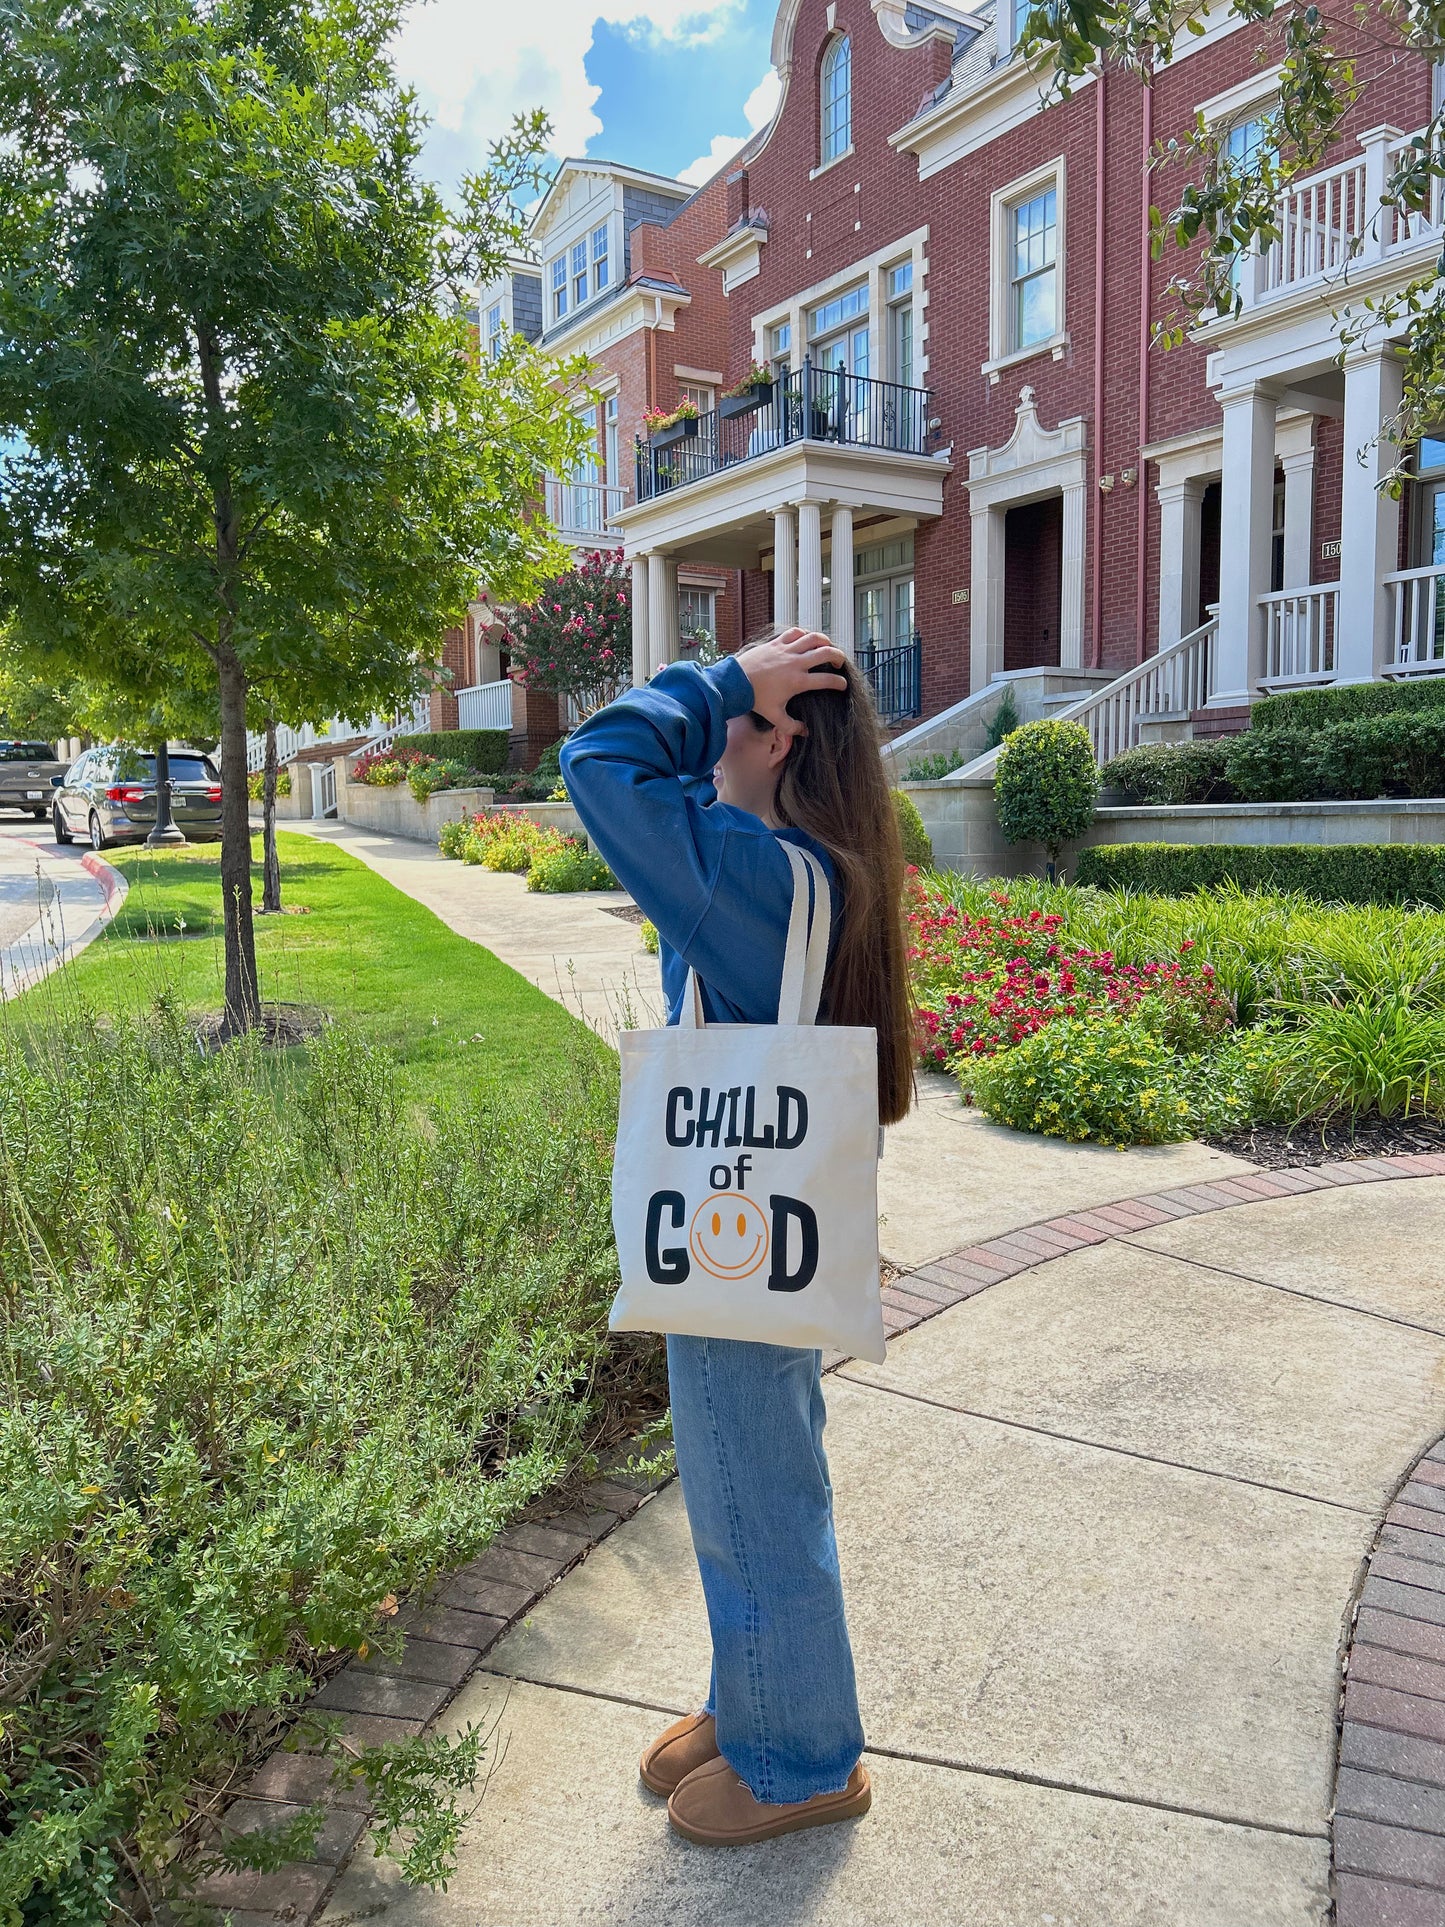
pixel 494 331
pixel 579 274
pixel 901 359
pixel 780 347
pixel 1027 304
pixel 1033 269
pixel 835 101
pixel 697 613
pixel 601 266
pixel 699 394
pixel 559 287
pixel 611 440
pixel 838 331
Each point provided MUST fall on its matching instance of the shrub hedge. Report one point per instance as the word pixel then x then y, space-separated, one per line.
pixel 1171 773
pixel 1393 753
pixel 1313 708
pixel 481 749
pixel 917 844
pixel 1330 872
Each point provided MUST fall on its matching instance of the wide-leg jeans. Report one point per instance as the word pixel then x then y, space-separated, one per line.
pixel 748 1423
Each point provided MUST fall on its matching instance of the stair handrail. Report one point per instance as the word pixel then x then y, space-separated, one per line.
pixel 1190 653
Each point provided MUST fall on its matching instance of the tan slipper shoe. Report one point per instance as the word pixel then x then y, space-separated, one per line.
pixel 685 1746
pixel 713 1807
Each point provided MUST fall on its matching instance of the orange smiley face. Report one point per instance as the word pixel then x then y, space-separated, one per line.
pixel 728 1235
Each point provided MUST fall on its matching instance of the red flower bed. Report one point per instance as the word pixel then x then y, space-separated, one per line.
pixel 986 983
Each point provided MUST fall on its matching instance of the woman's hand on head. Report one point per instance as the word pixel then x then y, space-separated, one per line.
pixel 789 665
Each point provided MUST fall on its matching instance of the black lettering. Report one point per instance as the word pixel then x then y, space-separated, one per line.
pixel 668 1267
pixel 779 1277
pixel 788 1098
pixel 751 1138
pixel 720 1177
pixel 709 1127
pixel 679 1099
pixel 732 1140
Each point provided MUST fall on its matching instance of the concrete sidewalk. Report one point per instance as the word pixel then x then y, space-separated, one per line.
pixel 1100 1526
pixel 54 900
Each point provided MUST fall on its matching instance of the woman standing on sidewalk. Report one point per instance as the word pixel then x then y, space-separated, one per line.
pixel 687 787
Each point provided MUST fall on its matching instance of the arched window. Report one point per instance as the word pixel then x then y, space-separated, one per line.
pixel 836 91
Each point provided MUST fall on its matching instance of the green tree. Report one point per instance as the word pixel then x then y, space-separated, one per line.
pixel 260 450
pixel 1227 203
pixel 1047 786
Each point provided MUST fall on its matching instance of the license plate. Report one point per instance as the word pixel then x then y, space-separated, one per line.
pixel 34 795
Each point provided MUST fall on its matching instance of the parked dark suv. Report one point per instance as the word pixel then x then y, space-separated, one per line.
pixel 109 796
pixel 27 772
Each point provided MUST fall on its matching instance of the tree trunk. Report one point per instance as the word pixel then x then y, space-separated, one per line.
pixel 271 863
pixel 243 1002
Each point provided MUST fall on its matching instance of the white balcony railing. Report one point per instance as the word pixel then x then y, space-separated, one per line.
pixel 1329 220
pixel 486 705
pixel 586 511
pixel 1299 635
pixel 1172 684
pixel 1416 644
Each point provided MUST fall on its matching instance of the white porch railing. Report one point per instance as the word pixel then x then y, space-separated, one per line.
pixel 1330 219
pixel 410 722
pixel 1172 684
pixel 290 741
pixel 486 705
pixel 1417 622
pixel 586 511
pixel 1299 635
pixel 323 793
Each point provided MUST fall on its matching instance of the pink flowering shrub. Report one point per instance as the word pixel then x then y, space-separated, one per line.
pixel 575 638
pixel 986 983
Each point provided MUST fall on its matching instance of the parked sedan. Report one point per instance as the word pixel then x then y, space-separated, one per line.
pixel 27 772
pixel 109 796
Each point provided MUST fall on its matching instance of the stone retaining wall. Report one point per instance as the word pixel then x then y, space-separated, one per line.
pixel 961 820
pixel 396 811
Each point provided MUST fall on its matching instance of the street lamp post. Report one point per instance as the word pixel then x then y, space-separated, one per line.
pixel 166 834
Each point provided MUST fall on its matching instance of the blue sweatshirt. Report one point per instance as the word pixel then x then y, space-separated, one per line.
pixel 711 877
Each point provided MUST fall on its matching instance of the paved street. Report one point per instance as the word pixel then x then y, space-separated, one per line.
pixel 52 900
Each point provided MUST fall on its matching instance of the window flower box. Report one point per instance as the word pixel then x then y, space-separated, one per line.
pixel 757 394
pixel 674 432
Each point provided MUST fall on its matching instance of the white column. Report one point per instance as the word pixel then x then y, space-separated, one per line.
pixel 641 661
pixel 1299 517
pixel 1179 505
pixel 1071 579
pixel 661 611
pixel 1246 515
pixel 785 570
pixel 1369 519
pixel 810 565
pixel 986 582
pixel 841 574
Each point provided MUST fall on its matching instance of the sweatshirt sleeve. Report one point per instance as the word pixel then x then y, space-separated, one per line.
pixel 713 879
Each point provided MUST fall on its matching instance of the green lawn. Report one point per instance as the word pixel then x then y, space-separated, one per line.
pixel 450 1011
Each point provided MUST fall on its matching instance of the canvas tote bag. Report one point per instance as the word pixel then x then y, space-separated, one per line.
pixel 745 1186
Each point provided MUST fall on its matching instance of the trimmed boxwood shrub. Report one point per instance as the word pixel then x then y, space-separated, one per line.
pixel 1393 753
pixel 1171 773
pixel 1047 785
pixel 480 749
pixel 1314 708
pixel 917 844
pixel 1331 872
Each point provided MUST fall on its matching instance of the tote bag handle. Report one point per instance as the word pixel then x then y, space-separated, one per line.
pixel 805 955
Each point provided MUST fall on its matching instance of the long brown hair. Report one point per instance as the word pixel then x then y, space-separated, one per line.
pixel 832 785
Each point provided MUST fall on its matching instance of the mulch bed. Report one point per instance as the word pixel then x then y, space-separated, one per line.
pixel 628 912
pixel 1278 1147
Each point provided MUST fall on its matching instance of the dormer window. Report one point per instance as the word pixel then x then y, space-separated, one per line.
pixel 559 287
pixel 836 100
pixel 494 330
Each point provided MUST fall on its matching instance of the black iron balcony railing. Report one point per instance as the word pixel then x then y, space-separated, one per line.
pixel 807 404
pixel 896 676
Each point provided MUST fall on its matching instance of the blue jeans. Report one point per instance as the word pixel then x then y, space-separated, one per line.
pixel 748 1422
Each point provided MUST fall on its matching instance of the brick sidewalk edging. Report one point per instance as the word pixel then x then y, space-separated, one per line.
pixel 448 1636
pixel 1388 1823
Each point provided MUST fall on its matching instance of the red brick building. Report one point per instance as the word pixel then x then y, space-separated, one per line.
pixel 971 464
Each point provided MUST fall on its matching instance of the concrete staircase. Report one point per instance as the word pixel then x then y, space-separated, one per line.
pixel 962 729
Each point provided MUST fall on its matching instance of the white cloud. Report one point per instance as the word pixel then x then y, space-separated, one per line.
pixel 474 63
pixel 758 110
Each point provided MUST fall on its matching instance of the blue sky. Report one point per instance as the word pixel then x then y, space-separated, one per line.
pixel 670 85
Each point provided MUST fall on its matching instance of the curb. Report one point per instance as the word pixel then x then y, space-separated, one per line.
pixel 449 1634
pixel 35 954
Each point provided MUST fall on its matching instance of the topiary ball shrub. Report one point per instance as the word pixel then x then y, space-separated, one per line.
pixel 1047 786
pixel 570 868
pixel 917 845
